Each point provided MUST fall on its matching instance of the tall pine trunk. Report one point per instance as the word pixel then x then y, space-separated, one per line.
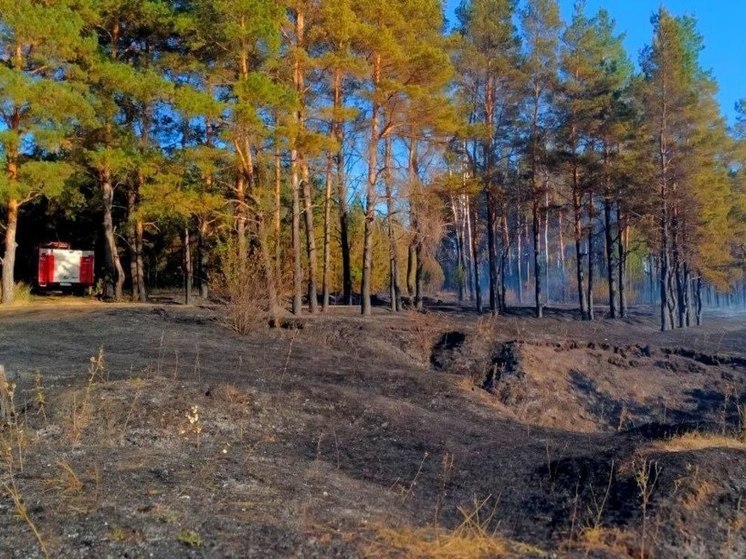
pixel 411 264
pixel 489 189
pixel 203 278
pixel 475 253
pixel 623 230
pixel 187 263
pixel 458 230
pixel 492 248
pixel 277 211
pixel 504 256
pixel 313 302
pixel 115 272
pixel 536 225
pixel 579 267
pixel 611 252
pixel 273 300
pixel 327 235
pixel 469 245
pixel 295 170
pixel 535 194
pixel 132 242
pixel 344 241
pixel 9 257
pixel 591 250
pixel 370 201
pixel 519 259
pixel 417 245
pixel 13 204
pixel 135 233
pixel 394 290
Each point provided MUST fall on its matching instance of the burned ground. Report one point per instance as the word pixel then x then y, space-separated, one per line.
pixel 337 437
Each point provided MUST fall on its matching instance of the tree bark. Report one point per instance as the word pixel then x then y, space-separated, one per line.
pixel 135 234
pixel 475 262
pixel 277 222
pixel 561 264
pixel 491 248
pixel 370 202
pixel 297 304
pixel 258 231
pixel 535 195
pixel 546 240
pixel 394 289
pixel 591 249
pixel 327 236
pixel 115 272
pixel 539 307
pixel 417 245
pixel 579 268
pixel 132 243
pixel 338 134
pixel 488 155
pixel 140 251
pixel 622 252
pixel 519 260
pixel 187 266
pixel 313 301
pixel 504 262
pixel 611 252
pixel 469 244
pixel 273 300
pixel 419 294
pixel 9 258
pixel 460 273
pixel 295 170
pixel 242 248
pixel 411 264
pixel 11 219
pixel 202 259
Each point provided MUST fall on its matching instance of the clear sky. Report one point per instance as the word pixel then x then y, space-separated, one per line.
pixel 720 22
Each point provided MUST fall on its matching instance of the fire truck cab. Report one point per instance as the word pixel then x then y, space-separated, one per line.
pixel 60 267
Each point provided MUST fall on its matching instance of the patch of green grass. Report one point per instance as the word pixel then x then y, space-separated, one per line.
pixel 190 538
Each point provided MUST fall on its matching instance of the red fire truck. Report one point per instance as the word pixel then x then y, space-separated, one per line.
pixel 60 267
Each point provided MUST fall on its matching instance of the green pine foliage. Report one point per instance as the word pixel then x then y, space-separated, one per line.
pixel 367 148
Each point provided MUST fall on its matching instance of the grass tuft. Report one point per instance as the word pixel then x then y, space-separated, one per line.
pixel 472 539
pixel 700 441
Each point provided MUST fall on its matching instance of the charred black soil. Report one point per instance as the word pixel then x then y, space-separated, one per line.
pixel 352 437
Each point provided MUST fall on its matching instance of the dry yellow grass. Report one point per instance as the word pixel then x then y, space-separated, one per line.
pixel 609 540
pixel 472 539
pixel 699 441
pixel 461 543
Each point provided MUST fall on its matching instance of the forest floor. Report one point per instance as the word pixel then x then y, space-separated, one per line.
pixel 156 431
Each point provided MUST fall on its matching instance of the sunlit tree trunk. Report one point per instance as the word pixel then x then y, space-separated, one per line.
pixel 313 302
pixel 115 272
pixel 394 290
pixel 370 201
pixel 327 235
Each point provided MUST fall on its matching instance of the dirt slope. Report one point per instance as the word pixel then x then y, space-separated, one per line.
pixel 320 440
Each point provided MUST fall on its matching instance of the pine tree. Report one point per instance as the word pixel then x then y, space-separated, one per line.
pixel 595 71
pixel 540 25
pixel 240 41
pixel 39 106
pixel 336 34
pixel 393 38
pixel 689 136
pixel 487 60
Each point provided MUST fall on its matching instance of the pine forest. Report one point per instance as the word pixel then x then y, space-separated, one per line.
pixel 289 155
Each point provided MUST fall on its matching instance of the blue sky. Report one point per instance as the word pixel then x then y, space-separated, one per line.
pixel 720 22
